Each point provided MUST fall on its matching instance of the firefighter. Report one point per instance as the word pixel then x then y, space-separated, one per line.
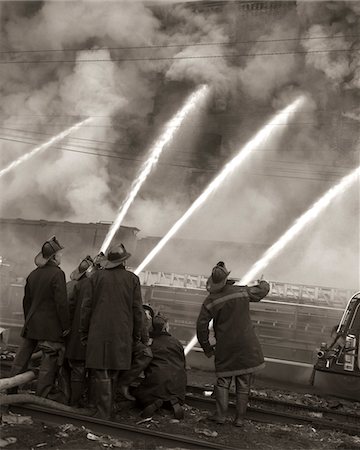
pixel 165 376
pixel 46 313
pixel 75 351
pixel 141 355
pixel 110 321
pixel 237 351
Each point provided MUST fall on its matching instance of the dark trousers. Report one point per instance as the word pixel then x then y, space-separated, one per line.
pixel 77 380
pixel 242 386
pixel 242 383
pixel 51 352
pixel 23 355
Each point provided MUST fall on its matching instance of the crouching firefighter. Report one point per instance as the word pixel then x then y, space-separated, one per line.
pixel 237 351
pixel 47 320
pixel 165 376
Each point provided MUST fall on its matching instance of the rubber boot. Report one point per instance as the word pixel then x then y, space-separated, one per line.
pixel 77 389
pixel 103 390
pixel 150 409
pixel 124 391
pixel 222 402
pixel 241 407
pixel 47 374
pixel 63 386
pixel 177 409
pixel 91 391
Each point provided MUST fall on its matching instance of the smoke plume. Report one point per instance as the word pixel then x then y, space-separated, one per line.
pixel 274 56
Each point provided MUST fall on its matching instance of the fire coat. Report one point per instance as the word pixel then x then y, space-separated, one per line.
pixel 76 292
pixel 111 318
pixel 165 376
pixel 45 304
pixel 237 350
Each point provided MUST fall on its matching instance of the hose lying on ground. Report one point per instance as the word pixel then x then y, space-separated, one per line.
pixel 12 399
pixel 17 380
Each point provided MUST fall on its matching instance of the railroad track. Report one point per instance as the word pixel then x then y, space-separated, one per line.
pixel 265 410
pixel 282 411
pixel 143 437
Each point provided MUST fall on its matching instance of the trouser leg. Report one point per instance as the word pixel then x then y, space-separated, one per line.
pixel 63 391
pixel 222 398
pixel 23 356
pixel 22 359
pixel 48 370
pixel 77 381
pixel 242 385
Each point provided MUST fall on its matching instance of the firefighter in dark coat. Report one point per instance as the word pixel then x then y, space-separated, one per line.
pixel 75 351
pixel 111 320
pixel 237 351
pixel 46 314
pixel 165 376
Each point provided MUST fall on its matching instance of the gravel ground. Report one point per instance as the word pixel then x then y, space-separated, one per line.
pixel 252 435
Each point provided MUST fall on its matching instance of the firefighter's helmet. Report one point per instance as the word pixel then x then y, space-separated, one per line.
pixel 48 250
pixel 82 268
pixel 116 256
pixel 218 277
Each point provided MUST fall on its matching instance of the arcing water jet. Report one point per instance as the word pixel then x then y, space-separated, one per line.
pixel 311 214
pixel 42 147
pixel 258 139
pixel 154 154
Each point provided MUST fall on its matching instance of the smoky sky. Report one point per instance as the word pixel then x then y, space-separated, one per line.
pixel 131 101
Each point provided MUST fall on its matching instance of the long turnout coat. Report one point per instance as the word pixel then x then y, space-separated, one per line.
pixel 45 304
pixel 165 376
pixel 111 317
pixel 238 350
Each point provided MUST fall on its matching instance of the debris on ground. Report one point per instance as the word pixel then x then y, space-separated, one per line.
pixel 253 435
pixel 7 441
pixel 108 441
pixel 7 355
pixel 68 427
pixel 16 419
pixel 149 419
pixel 206 432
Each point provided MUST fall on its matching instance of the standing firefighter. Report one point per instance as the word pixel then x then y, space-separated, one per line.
pixel 111 320
pixel 237 352
pixel 75 351
pixel 46 314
